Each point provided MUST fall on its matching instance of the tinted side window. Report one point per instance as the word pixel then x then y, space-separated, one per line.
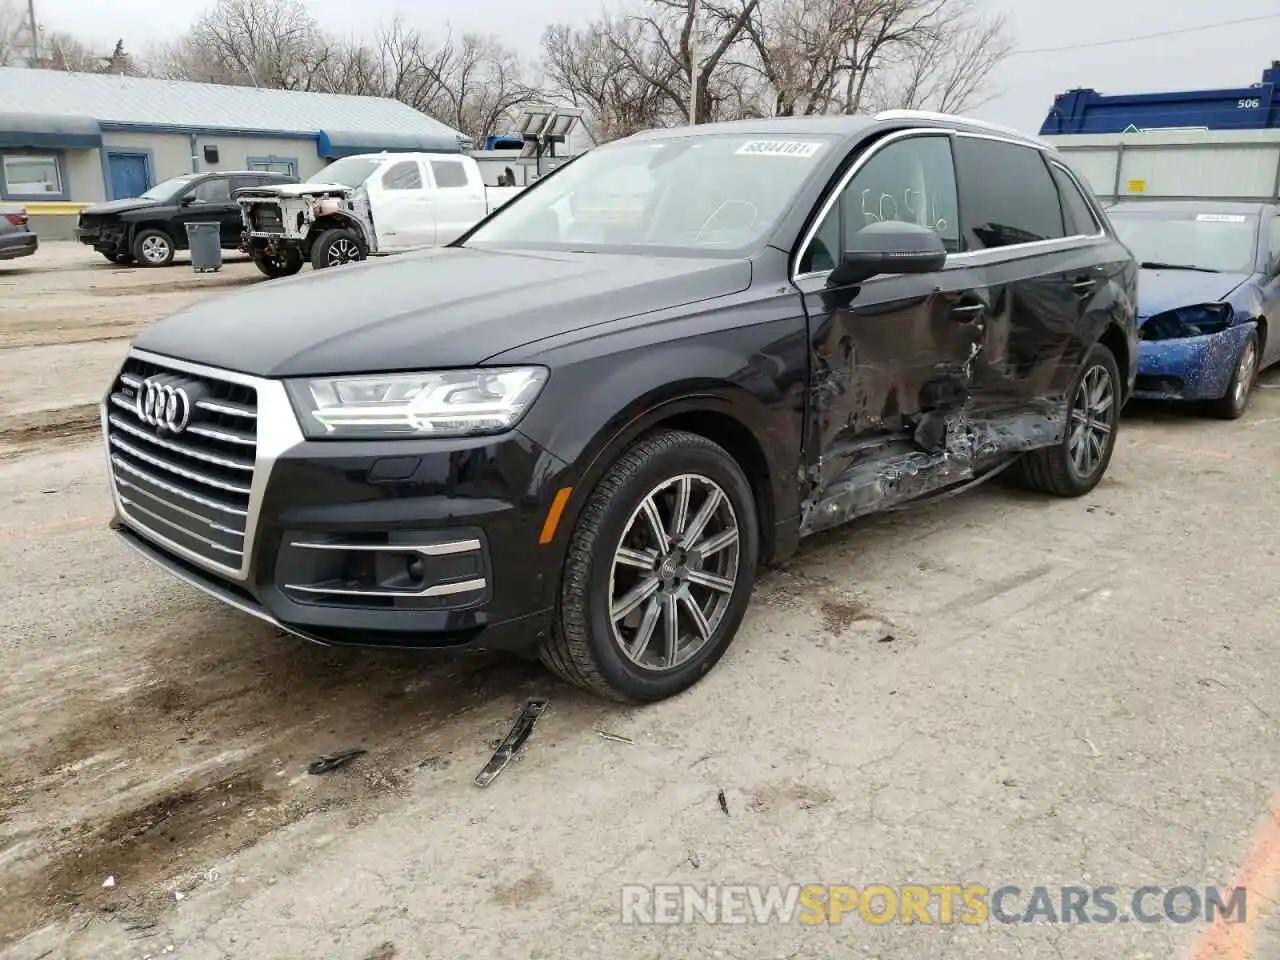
pixel 448 173
pixel 910 180
pixel 1007 193
pixel 1080 218
pixel 404 175
pixel 214 191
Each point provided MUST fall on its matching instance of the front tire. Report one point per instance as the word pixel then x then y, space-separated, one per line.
pixel 643 615
pixel 1232 405
pixel 1076 464
pixel 153 248
pixel 284 264
pixel 333 248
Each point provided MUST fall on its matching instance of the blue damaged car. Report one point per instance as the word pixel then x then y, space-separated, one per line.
pixel 1208 297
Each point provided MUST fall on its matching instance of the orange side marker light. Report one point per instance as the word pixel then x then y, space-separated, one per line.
pixel 553 515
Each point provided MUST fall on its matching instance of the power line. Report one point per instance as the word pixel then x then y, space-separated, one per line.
pixel 1147 36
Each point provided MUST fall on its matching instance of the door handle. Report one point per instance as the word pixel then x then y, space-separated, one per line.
pixel 965 312
pixel 1084 284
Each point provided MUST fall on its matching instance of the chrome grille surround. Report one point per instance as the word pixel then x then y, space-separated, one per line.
pixel 196 493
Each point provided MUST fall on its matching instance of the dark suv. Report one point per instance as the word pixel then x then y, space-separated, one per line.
pixel 580 428
pixel 149 229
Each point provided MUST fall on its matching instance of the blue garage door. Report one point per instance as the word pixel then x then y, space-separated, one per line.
pixel 128 175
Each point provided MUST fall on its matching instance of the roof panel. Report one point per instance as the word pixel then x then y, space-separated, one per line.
pixel 145 101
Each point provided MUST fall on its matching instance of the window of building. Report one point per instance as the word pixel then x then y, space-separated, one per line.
pixel 1080 218
pixel 405 175
pixel 274 165
pixel 448 173
pixel 1007 192
pixel 910 180
pixel 32 175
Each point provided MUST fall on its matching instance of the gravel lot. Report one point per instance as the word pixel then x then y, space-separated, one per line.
pixel 996 689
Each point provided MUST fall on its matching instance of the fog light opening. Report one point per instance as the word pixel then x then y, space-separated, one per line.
pixel 414 570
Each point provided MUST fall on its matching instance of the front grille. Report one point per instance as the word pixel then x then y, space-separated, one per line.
pixel 267 219
pixel 189 486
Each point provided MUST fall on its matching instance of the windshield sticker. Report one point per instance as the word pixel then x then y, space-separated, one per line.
pixel 1220 218
pixel 780 148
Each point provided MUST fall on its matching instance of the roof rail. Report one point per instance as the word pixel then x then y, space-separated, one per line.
pixel 956 118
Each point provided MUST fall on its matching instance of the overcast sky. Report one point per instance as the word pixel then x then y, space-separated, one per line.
pixel 1231 56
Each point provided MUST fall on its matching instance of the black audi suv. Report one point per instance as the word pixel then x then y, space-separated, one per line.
pixel 579 430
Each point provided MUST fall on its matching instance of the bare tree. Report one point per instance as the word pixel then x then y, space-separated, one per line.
pixel 776 58
pixel 591 69
pixel 266 43
pixel 476 83
pixel 843 56
pixel 471 83
pixel 62 51
pixel 14 45
pixel 948 66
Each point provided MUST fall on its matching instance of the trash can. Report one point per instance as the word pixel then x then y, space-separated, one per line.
pixel 205 242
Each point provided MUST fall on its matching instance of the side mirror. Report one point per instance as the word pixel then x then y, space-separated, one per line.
pixel 889 246
pixel 187 200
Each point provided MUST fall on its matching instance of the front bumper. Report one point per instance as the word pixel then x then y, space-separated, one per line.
pixel 1190 368
pixel 430 544
pixel 105 238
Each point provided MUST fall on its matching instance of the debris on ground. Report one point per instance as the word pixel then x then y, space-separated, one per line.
pixel 507 748
pixel 108 883
pixel 694 860
pixel 179 895
pixel 724 802
pixel 433 763
pixel 333 761
pixel 614 737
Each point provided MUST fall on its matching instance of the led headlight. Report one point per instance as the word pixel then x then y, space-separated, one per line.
pixel 443 403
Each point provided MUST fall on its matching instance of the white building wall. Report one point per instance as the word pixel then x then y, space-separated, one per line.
pixel 170 152
pixel 234 153
pixel 83 171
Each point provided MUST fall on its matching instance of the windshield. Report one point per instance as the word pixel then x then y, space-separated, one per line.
pixel 688 194
pixel 167 188
pixel 1219 242
pixel 349 172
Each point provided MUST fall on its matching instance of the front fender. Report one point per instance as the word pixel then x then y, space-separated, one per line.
pixel 594 410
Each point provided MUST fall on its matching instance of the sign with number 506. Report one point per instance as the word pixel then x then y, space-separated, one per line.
pixel 1252 103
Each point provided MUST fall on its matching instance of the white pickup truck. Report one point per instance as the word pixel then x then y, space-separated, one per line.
pixel 365 205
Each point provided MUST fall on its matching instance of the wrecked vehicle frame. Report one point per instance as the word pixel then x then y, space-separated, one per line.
pixel 800 322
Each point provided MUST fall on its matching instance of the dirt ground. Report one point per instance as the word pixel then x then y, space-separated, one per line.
pixel 996 689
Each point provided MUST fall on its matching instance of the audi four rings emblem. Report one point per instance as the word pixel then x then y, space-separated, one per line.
pixel 163 405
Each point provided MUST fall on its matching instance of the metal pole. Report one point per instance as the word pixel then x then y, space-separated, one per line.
pixel 693 62
pixel 35 33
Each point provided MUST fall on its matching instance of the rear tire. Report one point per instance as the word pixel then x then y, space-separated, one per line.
pixel 284 264
pixel 704 579
pixel 1232 405
pixel 1077 463
pixel 153 248
pixel 333 248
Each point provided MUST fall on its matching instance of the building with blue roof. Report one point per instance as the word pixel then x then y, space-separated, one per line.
pixel 86 137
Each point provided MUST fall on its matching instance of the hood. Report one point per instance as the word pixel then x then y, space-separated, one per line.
pixel 1161 290
pixel 295 190
pixel 118 206
pixel 447 307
